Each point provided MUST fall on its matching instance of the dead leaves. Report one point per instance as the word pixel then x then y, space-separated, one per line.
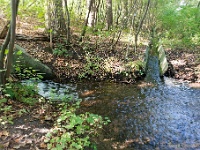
pixel 20 141
pixel 23 138
pixel 30 124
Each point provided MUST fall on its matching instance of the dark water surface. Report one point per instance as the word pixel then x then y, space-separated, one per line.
pixel 163 117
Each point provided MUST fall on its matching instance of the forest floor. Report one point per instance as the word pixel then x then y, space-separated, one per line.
pixel 71 62
pixel 29 128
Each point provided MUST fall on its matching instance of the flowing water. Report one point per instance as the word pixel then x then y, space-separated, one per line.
pixel 161 117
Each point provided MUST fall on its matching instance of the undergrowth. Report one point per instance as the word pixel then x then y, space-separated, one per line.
pixel 21 92
pixel 74 131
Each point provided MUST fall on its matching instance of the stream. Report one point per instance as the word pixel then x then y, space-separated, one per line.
pixel 161 117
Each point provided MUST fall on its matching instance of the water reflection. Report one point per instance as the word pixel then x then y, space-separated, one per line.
pixel 162 117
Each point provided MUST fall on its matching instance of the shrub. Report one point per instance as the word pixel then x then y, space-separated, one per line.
pixel 72 131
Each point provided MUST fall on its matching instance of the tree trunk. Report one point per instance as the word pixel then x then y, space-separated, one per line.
pixel 68 22
pixel 2 58
pixel 92 13
pixel 5 68
pixel 141 23
pixel 86 21
pixel 12 38
pixel 109 14
pixel 125 13
pixel 54 18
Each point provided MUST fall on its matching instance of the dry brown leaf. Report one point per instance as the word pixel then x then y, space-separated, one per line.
pixel 18 139
pixel 43 145
pixel 4 133
pixel 28 141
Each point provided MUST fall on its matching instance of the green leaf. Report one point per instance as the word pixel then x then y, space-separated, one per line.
pixel 49 146
pixel 7 95
pixel 58 147
pixel 76 145
pixel 48 135
pixel 19 52
pixel 2 70
pixel 6 51
pixel 3 100
pixel 17 68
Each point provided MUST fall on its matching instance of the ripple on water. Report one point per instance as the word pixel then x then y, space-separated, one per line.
pixel 165 117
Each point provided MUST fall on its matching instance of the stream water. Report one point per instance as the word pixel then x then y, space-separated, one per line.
pixel 161 117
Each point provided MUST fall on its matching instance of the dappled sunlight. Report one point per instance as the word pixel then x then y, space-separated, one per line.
pixel 24 135
pixel 95 75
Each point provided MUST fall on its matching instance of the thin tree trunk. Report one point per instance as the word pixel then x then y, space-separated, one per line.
pixel 92 14
pixel 86 22
pixel 97 10
pixel 54 18
pixel 12 38
pixel 125 14
pixel 109 14
pixel 141 23
pixel 68 22
pixel 3 71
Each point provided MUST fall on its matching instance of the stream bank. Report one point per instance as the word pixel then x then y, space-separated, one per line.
pixel 184 64
pixel 162 116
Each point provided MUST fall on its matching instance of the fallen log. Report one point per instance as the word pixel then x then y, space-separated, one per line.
pixel 31 38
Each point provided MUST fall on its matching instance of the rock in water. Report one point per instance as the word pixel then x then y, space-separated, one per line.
pixel 153 70
pixel 162 60
pixel 155 64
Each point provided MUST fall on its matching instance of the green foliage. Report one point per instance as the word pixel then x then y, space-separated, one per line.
pixel 4 111
pixel 92 66
pixel 180 25
pixel 60 50
pixel 72 131
pixel 66 97
pixel 7 111
pixel 5 7
pixel 25 73
pixel 20 92
pixel 32 8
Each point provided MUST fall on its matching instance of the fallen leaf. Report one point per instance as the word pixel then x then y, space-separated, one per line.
pixel 28 141
pixel 43 145
pixel 17 140
pixel 4 133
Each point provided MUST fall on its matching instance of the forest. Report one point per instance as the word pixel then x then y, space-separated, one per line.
pixel 84 42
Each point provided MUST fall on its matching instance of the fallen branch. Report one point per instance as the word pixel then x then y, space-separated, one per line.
pixel 28 38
